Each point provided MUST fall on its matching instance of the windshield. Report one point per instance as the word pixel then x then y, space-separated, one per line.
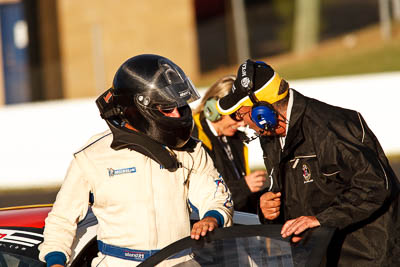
pixel 244 251
pixel 12 260
pixel 252 245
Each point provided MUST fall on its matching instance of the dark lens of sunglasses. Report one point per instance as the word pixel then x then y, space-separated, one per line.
pixel 234 117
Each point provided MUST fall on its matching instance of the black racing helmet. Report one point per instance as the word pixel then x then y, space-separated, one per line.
pixel 144 85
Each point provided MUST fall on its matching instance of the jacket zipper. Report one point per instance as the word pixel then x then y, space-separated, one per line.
pixel 297 159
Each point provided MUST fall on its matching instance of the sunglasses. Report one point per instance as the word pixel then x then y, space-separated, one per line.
pixel 237 116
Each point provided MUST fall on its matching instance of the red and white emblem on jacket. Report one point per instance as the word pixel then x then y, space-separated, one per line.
pixel 306 174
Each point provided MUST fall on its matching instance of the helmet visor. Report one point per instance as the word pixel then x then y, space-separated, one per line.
pixel 175 95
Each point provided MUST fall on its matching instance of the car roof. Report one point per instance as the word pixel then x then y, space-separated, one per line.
pixel 24 216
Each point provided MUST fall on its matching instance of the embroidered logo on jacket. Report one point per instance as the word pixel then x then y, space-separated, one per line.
pixel 307 174
pixel 112 172
pixel 221 185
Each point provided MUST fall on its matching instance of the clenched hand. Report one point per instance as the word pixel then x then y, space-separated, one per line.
pixel 256 180
pixel 270 204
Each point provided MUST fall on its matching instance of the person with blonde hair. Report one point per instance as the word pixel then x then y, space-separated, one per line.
pixel 221 138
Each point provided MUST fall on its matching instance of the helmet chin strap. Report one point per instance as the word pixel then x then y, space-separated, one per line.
pixel 134 140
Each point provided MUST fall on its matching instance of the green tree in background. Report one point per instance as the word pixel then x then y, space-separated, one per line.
pixel 306 25
pixel 285 10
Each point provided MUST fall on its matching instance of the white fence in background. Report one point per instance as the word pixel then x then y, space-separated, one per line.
pixel 38 140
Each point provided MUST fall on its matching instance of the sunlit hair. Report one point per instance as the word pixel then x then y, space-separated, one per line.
pixel 218 90
pixel 282 104
pixel 283 87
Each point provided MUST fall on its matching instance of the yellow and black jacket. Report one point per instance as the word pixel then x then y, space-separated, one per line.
pixel 233 172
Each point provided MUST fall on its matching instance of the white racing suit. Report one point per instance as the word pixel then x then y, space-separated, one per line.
pixel 138 204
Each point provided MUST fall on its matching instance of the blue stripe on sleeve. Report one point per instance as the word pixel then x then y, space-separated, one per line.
pixel 215 214
pixel 55 257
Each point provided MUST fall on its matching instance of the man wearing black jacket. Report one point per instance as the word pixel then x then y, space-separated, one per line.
pixel 326 166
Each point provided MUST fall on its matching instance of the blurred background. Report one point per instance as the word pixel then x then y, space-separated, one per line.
pixel 56 56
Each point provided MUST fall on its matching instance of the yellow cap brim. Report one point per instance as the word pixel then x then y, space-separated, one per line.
pixel 268 93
